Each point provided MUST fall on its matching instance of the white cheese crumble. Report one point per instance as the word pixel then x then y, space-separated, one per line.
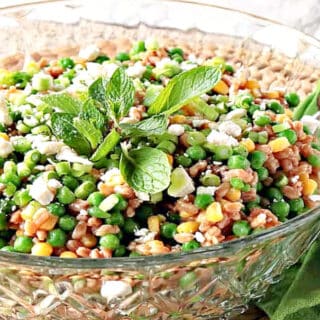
pixel 143 196
pixel 136 71
pixel 112 176
pixel 109 68
pixel 230 128
pixel 199 237
pixel 144 235
pixel 5 118
pixel 67 154
pixel 40 191
pixel 89 53
pixel 236 114
pixel 311 122
pixel 113 289
pixel 257 114
pixel 187 65
pixel 163 63
pixel 295 179
pixel 5 148
pixel 196 123
pixel 34 100
pixel 176 129
pixel 314 197
pixel 49 147
pixel 221 138
pixel 54 184
pixel 206 190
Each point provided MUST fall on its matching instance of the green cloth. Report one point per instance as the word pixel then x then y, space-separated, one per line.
pixel 297 296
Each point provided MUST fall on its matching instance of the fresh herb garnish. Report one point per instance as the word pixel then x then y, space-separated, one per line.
pixel 90 112
pixel 109 142
pixel 89 131
pixel 184 87
pixel 63 128
pixel 309 106
pixel 64 103
pixel 116 96
pixel 145 169
pixel 154 125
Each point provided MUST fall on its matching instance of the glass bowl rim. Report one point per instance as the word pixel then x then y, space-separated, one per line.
pixel 172 258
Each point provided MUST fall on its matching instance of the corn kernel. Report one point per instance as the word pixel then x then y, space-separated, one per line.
pixel 279 144
pixel 188 227
pixel 233 194
pixel 170 159
pixel 271 95
pixel 303 176
pixel 105 189
pixel 252 84
pixel 289 113
pixel 42 249
pixel 68 254
pixel 221 87
pixel 282 118
pixel 248 144
pixel 185 214
pixel 154 224
pixel 178 118
pixel 214 212
pixel 309 187
pixel 4 136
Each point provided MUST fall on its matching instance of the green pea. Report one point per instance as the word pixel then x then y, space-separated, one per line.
pixel 254 136
pixel 241 228
pixel 122 56
pixel 263 173
pixel 116 219
pixel 240 150
pixel 238 162
pixel 273 194
pixel 31 158
pixel 290 134
pixel 70 182
pixel 63 168
pixel 229 68
pixel 173 51
pixel 98 213
pixel 167 146
pixel 109 241
pixel 190 246
pixel 257 159
pixel 276 107
pixel 66 63
pixel 237 183
pixel 57 238
pixel 56 209
pixel 202 201
pixel 138 47
pixel 263 137
pixel 281 209
pixel 292 99
pixel 85 189
pixel 262 120
pixel 22 198
pixel 314 160
pixel 184 161
pixel 222 153
pixel 144 212
pixel 195 138
pixel 130 226
pixel 95 199
pixel 101 59
pixel 296 205
pixel 253 108
pixel 196 153
pixel 122 203
pixel 188 280
pixel 65 195
pixel 281 181
pixel 67 223
pixel 120 251
pixel 168 230
pixel 210 179
pixel 23 244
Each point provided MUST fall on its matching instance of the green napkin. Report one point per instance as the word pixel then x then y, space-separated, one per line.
pixel 297 296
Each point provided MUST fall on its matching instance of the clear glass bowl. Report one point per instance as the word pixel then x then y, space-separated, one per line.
pixel 215 282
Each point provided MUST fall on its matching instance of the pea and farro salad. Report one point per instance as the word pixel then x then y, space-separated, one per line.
pixel 150 152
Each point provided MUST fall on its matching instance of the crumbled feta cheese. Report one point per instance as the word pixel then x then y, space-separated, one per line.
pixel 221 138
pixel 113 289
pixel 49 147
pixel 311 122
pixel 187 65
pixel 34 100
pixel 143 196
pixel 89 53
pixel 295 179
pixel 161 64
pixel 54 184
pixel 230 128
pixel 206 190
pixel 263 106
pixel 315 197
pixel 199 237
pixel 196 123
pixel 257 114
pixel 217 163
pixel 236 114
pixel 40 191
pixel 176 129
pixel 5 118
pixel 136 71
pixel 144 235
pixel 112 177
pixel 205 97
pixel 5 148
pixel 67 154
pixel 109 68
pixel 95 70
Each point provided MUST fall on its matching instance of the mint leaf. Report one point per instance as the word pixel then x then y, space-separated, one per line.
pixel 63 102
pixel 89 131
pixel 309 106
pixel 91 113
pixel 154 125
pixel 298 291
pixel 97 91
pixel 184 87
pixel 120 93
pixel 63 128
pixel 109 142
pixel 146 169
